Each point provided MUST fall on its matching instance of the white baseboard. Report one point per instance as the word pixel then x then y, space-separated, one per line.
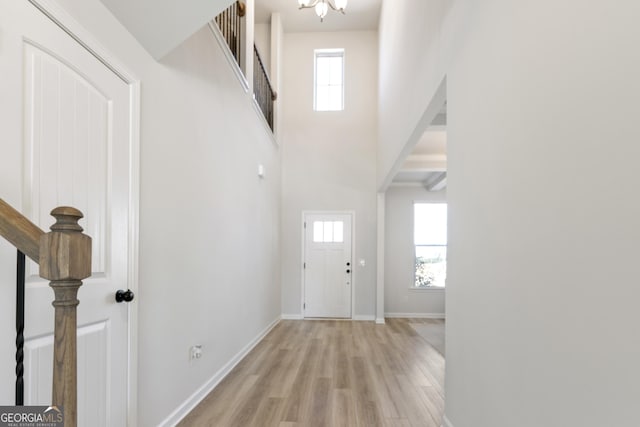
pixel 417 315
pixel 364 317
pixel 380 321
pixel 291 317
pixel 193 400
pixel 446 422
pixel 357 317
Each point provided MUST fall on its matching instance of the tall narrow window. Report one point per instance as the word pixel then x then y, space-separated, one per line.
pixel 430 239
pixel 329 80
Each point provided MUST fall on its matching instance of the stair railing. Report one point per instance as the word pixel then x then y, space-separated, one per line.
pixel 263 91
pixel 230 24
pixel 64 257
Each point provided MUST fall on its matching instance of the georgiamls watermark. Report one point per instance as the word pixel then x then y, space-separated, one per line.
pixel 31 416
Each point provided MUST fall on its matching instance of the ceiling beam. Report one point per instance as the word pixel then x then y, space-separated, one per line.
pixel 437 183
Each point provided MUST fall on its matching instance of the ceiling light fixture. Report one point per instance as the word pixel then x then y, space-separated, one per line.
pixel 322 6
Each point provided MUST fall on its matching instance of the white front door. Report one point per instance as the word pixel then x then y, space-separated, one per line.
pixel 328 269
pixel 68 137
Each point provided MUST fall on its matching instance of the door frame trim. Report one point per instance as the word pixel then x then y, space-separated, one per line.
pixel 352 214
pixel 59 16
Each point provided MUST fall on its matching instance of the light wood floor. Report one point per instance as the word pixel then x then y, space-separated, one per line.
pixel 331 373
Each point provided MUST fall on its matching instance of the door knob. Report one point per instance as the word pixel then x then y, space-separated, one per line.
pixel 126 296
pixel 348 264
pixel 348 271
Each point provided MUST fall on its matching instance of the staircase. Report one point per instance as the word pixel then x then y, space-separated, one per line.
pixel 64 258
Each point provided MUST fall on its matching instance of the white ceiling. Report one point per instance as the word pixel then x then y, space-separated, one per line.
pixel 433 142
pixel 360 15
pixel 427 160
pixel 161 25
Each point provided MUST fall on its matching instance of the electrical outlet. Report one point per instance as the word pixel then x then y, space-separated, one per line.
pixel 195 352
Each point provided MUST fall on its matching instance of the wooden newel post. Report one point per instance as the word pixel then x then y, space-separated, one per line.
pixel 65 259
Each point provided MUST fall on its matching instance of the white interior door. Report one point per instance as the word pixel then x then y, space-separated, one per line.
pixel 328 269
pixel 69 118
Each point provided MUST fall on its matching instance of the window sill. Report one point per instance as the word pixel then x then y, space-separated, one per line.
pixel 431 289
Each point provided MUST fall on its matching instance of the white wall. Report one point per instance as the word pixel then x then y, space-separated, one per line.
pixel 414 38
pixel 275 53
pixel 329 157
pixel 399 250
pixel 545 258
pixel 204 166
pixel 209 228
pixel 542 296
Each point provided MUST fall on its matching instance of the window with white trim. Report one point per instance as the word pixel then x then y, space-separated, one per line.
pixel 328 93
pixel 430 240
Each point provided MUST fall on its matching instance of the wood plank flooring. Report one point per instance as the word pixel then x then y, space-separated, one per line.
pixel 331 373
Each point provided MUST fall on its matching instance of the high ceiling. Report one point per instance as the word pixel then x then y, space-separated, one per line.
pixel 360 15
pixel 428 160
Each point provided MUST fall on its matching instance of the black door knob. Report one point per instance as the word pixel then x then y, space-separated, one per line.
pixel 126 296
pixel 348 264
pixel 348 271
